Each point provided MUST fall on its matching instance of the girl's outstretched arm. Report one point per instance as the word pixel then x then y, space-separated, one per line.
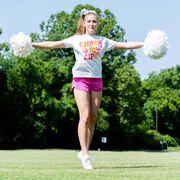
pixel 49 44
pixel 129 45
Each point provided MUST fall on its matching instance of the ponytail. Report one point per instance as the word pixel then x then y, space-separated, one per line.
pixel 80 28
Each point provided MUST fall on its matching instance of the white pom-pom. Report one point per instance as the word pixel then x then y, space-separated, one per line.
pixel 21 44
pixel 156 44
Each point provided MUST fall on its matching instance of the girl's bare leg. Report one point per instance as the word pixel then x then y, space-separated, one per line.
pixel 83 103
pixel 95 101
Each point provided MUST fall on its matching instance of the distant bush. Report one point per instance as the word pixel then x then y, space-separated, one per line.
pixel 144 138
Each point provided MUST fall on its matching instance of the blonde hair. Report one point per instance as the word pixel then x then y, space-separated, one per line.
pixel 80 27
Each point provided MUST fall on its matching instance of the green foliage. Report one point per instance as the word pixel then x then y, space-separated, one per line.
pixel 162 92
pixel 4 49
pixel 102 124
pixel 143 137
pixel 156 138
pixel 41 94
pixel 123 95
pixel 166 78
pixel 170 140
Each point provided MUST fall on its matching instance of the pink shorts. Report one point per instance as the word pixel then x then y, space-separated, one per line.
pixel 87 84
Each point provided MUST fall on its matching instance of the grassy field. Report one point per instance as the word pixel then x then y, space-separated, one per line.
pixel 57 164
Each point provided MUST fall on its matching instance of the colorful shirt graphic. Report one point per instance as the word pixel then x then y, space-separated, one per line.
pixel 91 49
pixel 88 52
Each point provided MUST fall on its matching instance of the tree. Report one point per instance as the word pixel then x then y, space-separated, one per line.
pixel 163 90
pixel 4 48
pixel 123 101
pixel 43 94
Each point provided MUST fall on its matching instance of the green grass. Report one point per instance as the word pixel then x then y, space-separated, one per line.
pixel 59 164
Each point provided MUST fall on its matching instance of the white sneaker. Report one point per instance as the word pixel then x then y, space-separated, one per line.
pixel 79 155
pixel 91 156
pixel 85 160
pixel 86 163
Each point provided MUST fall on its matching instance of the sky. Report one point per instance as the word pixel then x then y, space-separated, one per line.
pixel 137 17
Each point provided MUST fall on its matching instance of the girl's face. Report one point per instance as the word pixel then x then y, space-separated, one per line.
pixel 90 23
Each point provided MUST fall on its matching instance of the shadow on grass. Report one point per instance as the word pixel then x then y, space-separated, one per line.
pixel 129 167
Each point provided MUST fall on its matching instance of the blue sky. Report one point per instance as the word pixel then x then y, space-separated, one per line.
pixel 136 17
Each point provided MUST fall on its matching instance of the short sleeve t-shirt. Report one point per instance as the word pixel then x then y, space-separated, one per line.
pixel 88 53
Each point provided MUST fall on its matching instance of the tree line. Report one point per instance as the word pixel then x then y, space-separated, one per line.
pixel 38 110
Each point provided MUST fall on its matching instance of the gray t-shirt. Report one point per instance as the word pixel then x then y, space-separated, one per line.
pixel 88 52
